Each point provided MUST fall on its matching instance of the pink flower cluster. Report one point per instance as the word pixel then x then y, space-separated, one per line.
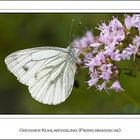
pixel 101 55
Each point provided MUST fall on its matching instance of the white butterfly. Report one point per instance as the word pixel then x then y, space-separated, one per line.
pixel 47 71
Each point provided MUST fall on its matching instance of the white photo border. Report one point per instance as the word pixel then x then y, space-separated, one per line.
pixel 11 124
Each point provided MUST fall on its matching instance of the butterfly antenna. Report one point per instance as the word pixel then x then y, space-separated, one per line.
pixel 79 24
pixel 75 32
pixel 70 32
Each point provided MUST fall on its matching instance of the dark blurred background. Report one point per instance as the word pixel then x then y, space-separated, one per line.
pixel 20 31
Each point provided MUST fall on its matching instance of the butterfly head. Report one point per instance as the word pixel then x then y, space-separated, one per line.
pixel 74 53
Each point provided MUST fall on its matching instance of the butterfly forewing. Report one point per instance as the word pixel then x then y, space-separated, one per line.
pixel 47 71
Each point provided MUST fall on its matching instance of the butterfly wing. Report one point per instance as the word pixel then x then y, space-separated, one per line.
pixel 47 71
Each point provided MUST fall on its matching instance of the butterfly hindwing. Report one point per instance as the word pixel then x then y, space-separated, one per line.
pixel 47 71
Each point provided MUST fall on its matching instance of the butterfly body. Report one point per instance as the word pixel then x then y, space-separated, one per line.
pixel 47 71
